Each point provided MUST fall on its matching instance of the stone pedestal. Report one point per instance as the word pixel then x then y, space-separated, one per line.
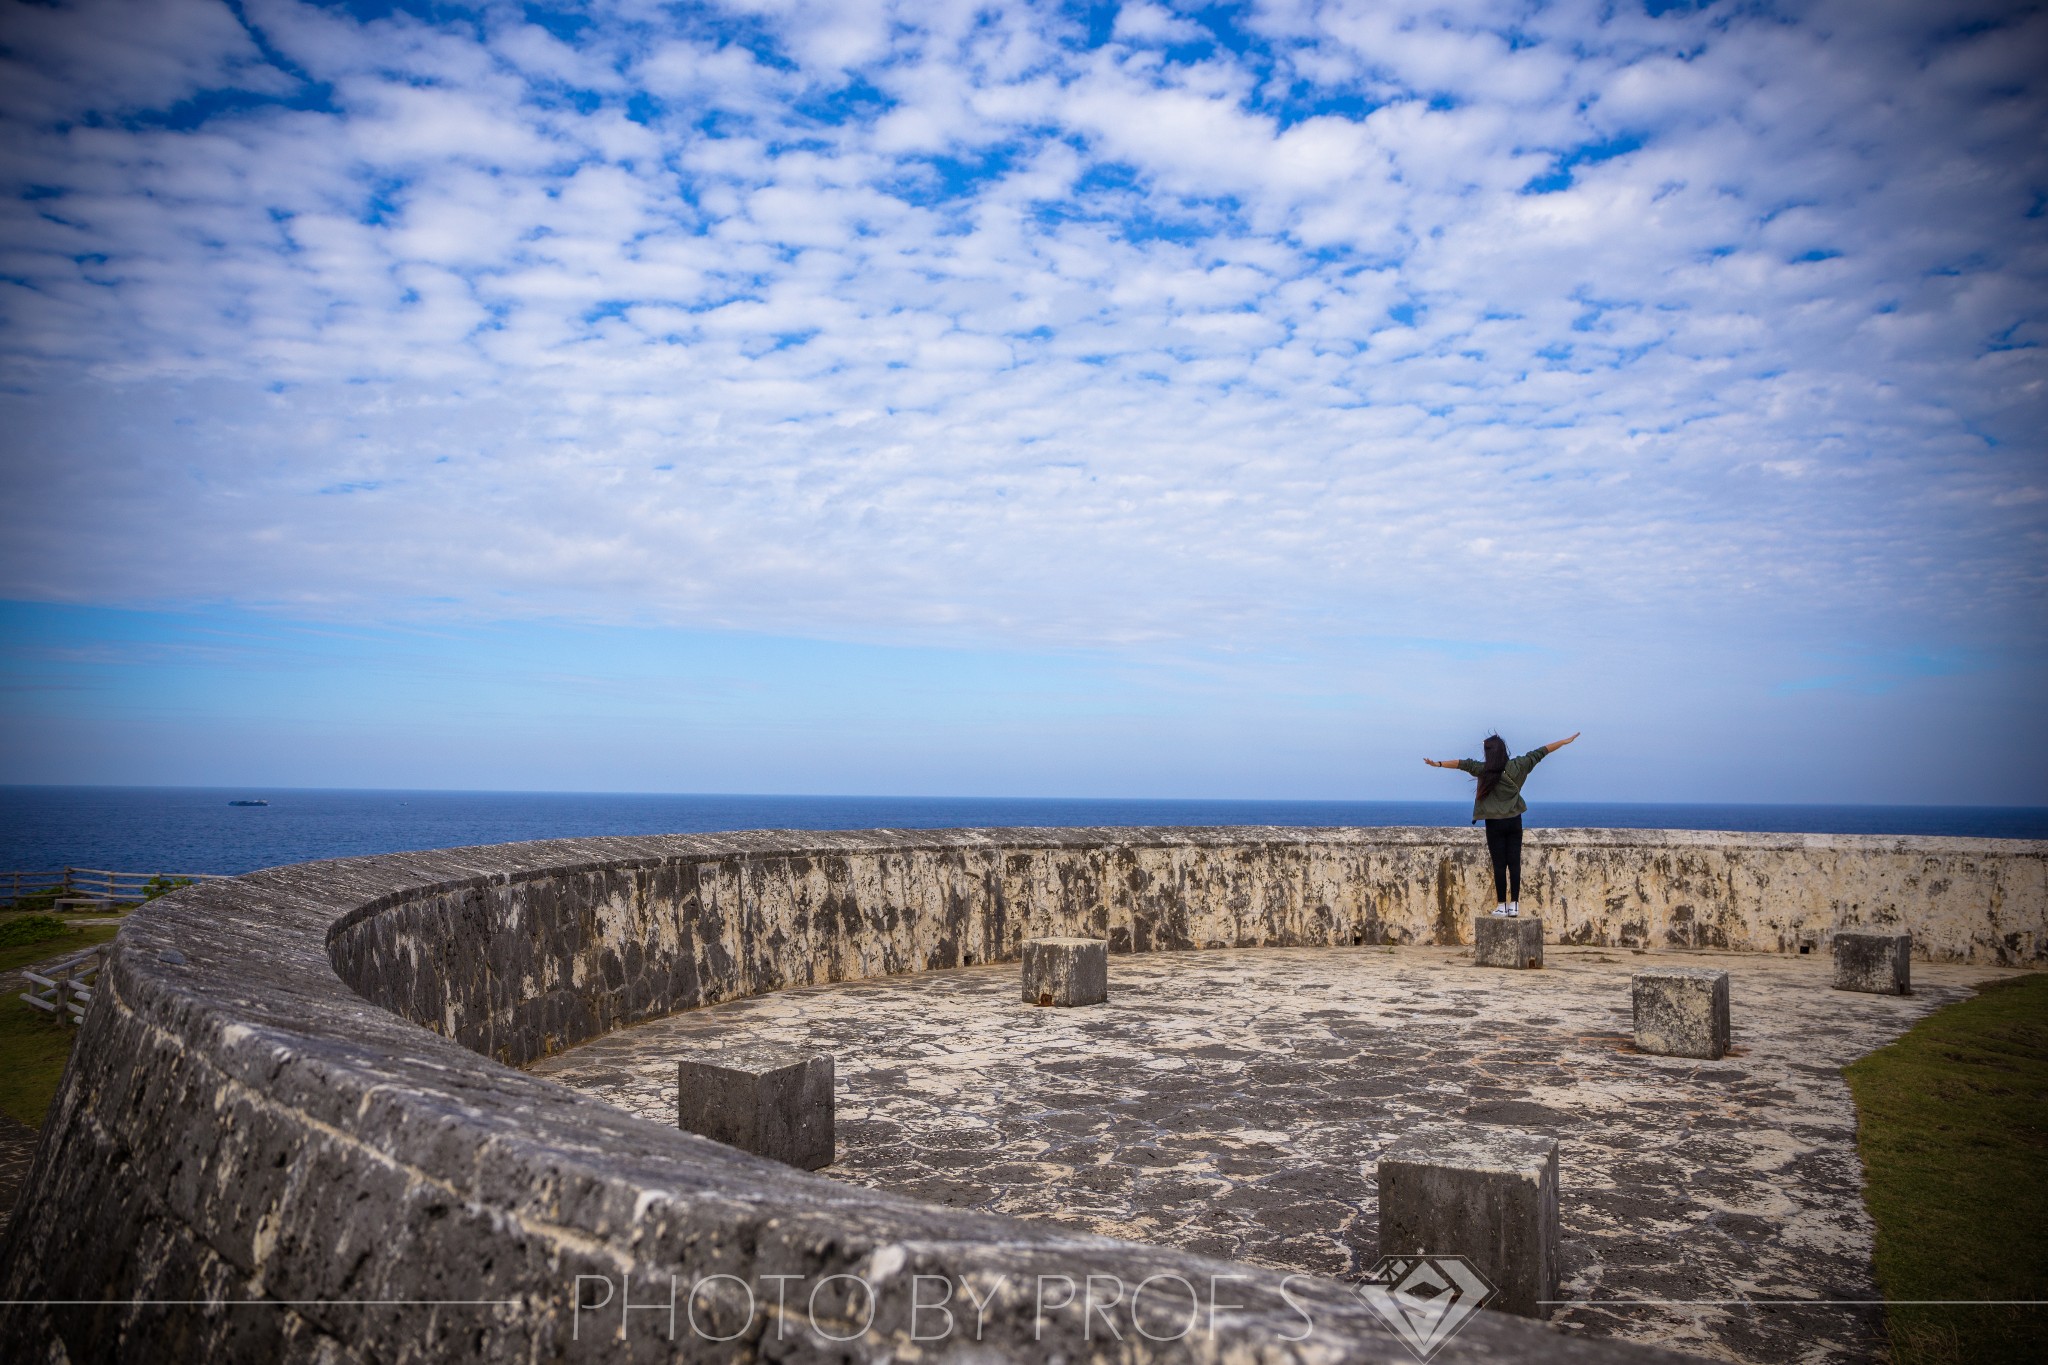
pixel 1879 963
pixel 1681 1011
pixel 763 1098
pixel 1505 942
pixel 1066 971
pixel 1486 1194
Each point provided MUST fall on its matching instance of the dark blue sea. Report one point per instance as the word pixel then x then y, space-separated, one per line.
pixel 194 829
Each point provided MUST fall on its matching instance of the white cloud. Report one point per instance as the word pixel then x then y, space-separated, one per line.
pixel 1149 23
pixel 886 320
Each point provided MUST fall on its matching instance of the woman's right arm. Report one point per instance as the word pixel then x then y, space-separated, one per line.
pixel 1555 745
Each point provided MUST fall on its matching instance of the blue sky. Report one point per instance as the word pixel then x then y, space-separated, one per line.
pixel 1237 400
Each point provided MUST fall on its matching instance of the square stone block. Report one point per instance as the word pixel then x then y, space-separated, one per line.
pixel 1681 1011
pixel 1066 971
pixel 1504 942
pixel 764 1098
pixel 1879 963
pixel 1486 1194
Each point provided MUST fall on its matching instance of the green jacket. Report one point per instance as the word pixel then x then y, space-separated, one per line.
pixel 1506 797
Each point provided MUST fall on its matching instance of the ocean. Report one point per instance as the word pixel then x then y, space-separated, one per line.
pixel 194 829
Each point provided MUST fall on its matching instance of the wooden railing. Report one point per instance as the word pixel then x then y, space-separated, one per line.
pixel 91 888
pixel 65 988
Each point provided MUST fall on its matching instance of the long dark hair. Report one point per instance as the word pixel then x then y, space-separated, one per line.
pixel 1496 764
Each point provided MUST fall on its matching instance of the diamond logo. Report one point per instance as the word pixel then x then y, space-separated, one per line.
pixel 1425 1299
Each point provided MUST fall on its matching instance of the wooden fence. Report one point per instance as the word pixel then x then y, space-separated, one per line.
pixel 90 888
pixel 65 989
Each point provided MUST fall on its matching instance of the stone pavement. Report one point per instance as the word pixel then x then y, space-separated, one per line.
pixel 1234 1103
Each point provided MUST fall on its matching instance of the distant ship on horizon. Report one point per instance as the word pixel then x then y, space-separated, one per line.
pixel 248 803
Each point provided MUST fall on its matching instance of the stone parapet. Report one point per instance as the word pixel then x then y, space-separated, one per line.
pixel 293 1088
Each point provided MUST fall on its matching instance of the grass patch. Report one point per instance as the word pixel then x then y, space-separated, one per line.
pixel 33 1045
pixel 21 930
pixel 1952 1123
pixel 69 938
pixel 33 1050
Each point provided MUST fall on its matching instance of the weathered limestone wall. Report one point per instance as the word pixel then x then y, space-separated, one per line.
pixel 249 1116
pixel 543 964
pixel 1963 900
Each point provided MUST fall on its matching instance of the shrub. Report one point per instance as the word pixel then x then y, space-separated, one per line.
pixel 32 929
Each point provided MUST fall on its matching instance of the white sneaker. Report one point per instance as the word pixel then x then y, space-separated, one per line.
pixel 1501 911
pixel 1514 910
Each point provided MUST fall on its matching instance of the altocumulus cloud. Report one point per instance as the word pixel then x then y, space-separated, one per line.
pixel 1123 327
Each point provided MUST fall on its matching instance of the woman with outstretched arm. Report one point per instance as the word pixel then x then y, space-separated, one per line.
pixel 1499 803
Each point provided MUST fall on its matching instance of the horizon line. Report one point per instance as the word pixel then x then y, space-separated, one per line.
pixel 261 788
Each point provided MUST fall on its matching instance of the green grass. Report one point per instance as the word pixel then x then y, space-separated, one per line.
pixel 1952 1121
pixel 33 1049
pixel 34 1046
pixel 73 938
pixel 18 931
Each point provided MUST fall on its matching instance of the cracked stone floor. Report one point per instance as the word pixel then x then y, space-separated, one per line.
pixel 1234 1103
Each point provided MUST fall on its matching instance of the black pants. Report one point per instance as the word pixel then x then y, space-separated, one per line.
pixel 1504 846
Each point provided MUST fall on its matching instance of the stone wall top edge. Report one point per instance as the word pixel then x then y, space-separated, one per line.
pixel 350 889
pixel 428 871
pixel 467 862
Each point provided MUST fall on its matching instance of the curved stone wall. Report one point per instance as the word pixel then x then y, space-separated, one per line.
pixel 256 1154
pixel 521 970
